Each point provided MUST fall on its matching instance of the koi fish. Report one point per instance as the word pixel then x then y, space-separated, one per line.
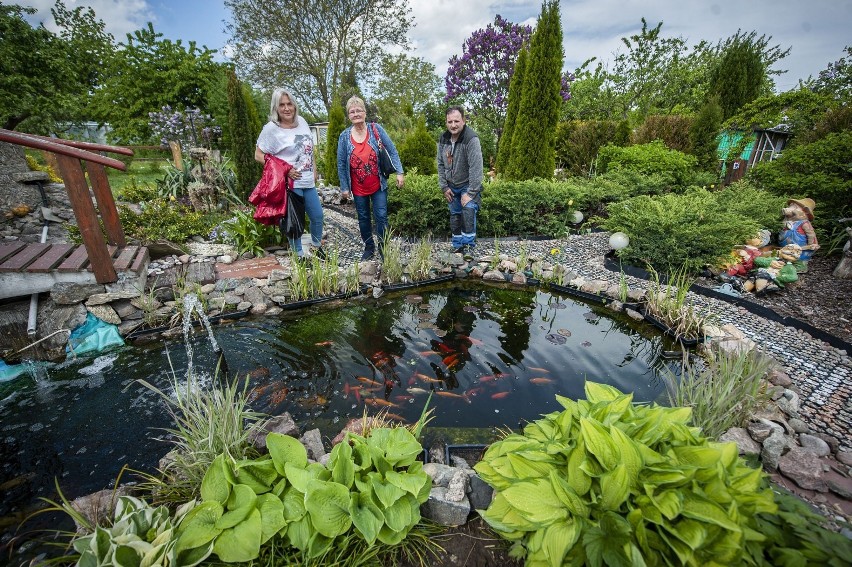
pixel 486 379
pixel 545 370
pixel 324 343
pixel 504 375
pixel 394 417
pixel 369 381
pixel 428 379
pixel 541 380
pixel 499 395
pixel 402 398
pixel 427 352
pixel 380 402
pixel 451 360
pixel 444 394
pixel 474 391
pixel 417 391
pixel 258 391
pixel 260 372
pixel 278 396
pixel 445 348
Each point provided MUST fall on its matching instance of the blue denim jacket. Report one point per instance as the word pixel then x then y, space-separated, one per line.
pixel 345 147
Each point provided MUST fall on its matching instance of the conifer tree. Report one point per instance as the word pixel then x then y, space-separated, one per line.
pixel 243 137
pixel 704 135
pixel 504 149
pixel 533 137
pixel 739 77
pixel 336 125
pixel 418 150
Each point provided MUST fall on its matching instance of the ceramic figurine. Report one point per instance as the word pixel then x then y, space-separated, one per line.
pixel 798 215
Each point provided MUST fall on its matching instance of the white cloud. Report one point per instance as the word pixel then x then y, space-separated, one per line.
pixel 119 16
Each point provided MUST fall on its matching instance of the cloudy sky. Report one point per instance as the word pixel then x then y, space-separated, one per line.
pixel 816 30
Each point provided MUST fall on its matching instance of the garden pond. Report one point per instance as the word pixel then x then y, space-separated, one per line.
pixel 493 357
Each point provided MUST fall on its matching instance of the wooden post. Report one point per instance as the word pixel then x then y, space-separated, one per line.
pixel 106 204
pixel 177 156
pixel 87 218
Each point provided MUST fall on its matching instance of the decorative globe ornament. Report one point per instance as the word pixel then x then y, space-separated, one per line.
pixel 618 240
pixel 577 217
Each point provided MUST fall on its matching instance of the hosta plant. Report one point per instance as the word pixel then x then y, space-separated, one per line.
pixel 607 482
pixel 373 486
pixel 139 535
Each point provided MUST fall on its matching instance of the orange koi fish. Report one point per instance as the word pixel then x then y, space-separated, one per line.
pixel 504 375
pixel 474 391
pixel 278 396
pixel 394 417
pixel 541 380
pixel 402 398
pixel 451 360
pixel 428 379
pixel 427 352
pixel 418 391
pixel 486 379
pixel 324 343
pixel 260 372
pixel 499 395
pixel 444 394
pixel 380 402
pixel 545 370
pixel 445 348
pixel 369 381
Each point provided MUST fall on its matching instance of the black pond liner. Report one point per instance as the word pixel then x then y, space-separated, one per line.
pixel 593 297
pixel 420 283
pixel 671 332
pixel 472 454
pixel 315 300
pixel 613 265
pixel 136 334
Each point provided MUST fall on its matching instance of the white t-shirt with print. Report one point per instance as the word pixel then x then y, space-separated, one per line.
pixel 293 145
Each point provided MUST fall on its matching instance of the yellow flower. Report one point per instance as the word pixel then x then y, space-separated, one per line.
pixel 172 198
pixel 570 202
pixel 554 251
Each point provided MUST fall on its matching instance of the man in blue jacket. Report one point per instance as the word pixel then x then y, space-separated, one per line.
pixel 460 178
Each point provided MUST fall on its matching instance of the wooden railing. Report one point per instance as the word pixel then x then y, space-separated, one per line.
pixel 70 156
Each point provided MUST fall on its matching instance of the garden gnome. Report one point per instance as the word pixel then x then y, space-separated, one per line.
pixel 798 215
pixel 771 275
pixel 746 255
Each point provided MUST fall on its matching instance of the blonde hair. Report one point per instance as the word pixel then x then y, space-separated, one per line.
pixel 355 101
pixel 276 98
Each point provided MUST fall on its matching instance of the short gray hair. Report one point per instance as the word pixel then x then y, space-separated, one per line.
pixel 276 98
pixel 355 101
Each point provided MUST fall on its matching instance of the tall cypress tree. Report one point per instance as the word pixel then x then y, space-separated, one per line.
pixel 533 137
pixel 504 149
pixel 336 125
pixel 703 135
pixel 739 76
pixel 243 137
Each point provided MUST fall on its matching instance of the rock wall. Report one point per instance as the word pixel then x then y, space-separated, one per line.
pixel 12 193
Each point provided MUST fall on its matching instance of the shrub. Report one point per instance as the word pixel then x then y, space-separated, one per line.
pixel 164 220
pixel 669 231
pixel 418 150
pixel 246 234
pixel 35 165
pixel 578 143
pixel 419 207
pixel 672 130
pixel 606 482
pixel 650 158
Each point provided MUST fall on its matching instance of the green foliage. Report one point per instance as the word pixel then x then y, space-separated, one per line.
pixel 373 486
pixel 139 535
pixel 747 200
pixel 799 109
pixel 34 165
pixel 336 125
pixel 722 391
pixel 242 134
pixel 648 159
pixel 672 130
pixel 578 143
pixel 819 170
pixel 669 231
pixel 516 83
pixel 135 192
pixel 246 234
pixel 532 153
pixel 392 266
pixel 607 482
pixel 740 76
pixel 419 207
pixel 704 134
pixel 163 220
pixel 419 149
pixel 176 183
pixel 668 303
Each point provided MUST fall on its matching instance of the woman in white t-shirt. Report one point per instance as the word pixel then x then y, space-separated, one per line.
pixel 288 137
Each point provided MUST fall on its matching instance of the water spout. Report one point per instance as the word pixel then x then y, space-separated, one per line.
pixel 192 303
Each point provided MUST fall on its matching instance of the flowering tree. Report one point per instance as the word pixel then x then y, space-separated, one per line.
pixel 480 77
pixel 190 128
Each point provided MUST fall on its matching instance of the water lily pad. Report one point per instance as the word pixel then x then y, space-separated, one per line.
pixel 470 308
pixel 556 339
pixel 589 316
pixel 559 306
pixel 564 332
pixel 413 298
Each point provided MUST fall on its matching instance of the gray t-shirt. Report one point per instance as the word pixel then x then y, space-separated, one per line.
pixel 293 145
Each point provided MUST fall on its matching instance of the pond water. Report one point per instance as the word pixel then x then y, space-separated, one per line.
pixel 493 358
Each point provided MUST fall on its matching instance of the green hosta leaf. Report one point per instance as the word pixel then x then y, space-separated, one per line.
pixel 126 556
pixel 410 483
pixel 341 465
pixel 260 475
pixel 299 533
pixel 525 468
pixel 747 480
pixel 668 502
pixel 366 516
pixel 567 496
pixel 318 545
pixel 328 505
pixel 631 458
pixel 242 542
pixel 215 485
pixel 536 501
pixel 294 504
pixel 399 517
pixel 398 444
pixel 390 537
pixel 271 516
pixel 578 480
pixel 240 504
pixel 705 511
pixel 285 449
pixel 614 488
pixel 510 444
pixel 558 539
pixel 690 532
pixel 701 457
pixel 199 526
pixel 596 392
pixel 386 492
pixel 489 474
pixel 664 476
pixel 193 557
pixel 608 542
pixel 567 403
pixel 599 443
pixel 297 476
pixel 361 457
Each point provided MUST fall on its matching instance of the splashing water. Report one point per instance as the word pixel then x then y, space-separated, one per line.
pixel 192 303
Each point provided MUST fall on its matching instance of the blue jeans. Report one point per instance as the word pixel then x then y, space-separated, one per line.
pixel 379 203
pixel 313 208
pixel 463 219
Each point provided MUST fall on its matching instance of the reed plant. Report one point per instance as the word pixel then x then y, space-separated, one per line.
pixel 669 304
pixel 622 286
pixel 723 389
pixel 420 265
pixel 392 266
pixel 325 274
pixel 495 258
pixel 351 278
pixel 208 421
pixel 523 257
pixel 299 283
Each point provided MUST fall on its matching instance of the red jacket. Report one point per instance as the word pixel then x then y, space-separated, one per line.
pixel 270 195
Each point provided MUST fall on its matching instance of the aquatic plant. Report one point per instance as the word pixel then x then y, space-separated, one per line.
pixel 607 482
pixel 669 304
pixel 392 267
pixel 420 265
